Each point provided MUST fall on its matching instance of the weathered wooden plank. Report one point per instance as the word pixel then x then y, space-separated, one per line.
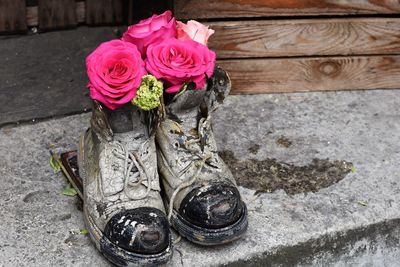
pixel 102 12
pixel 12 15
pixel 81 12
pixel 56 14
pixel 205 9
pixel 252 76
pixel 32 17
pixel 279 38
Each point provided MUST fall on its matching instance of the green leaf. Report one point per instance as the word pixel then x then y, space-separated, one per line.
pixel 362 203
pixel 84 232
pixel 353 169
pixel 79 232
pixel 184 87
pixel 55 163
pixel 69 191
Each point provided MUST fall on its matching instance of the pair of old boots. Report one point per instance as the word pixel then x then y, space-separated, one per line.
pixel 142 173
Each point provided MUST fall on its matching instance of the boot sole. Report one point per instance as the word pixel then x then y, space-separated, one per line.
pixel 210 237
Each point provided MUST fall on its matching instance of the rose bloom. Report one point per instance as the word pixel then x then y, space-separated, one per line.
pixel 193 30
pixel 177 62
pixel 115 70
pixel 154 29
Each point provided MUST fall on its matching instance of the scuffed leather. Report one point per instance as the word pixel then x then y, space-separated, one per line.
pixel 186 115
pixel 102 172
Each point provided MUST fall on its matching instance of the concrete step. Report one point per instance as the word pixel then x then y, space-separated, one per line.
pixel 351 221
pixel 45 74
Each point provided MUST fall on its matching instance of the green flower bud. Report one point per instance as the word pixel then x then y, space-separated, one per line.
pixel 149 93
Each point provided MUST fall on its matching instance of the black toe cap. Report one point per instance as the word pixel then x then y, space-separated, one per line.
pixel 212 206
pixel 142 230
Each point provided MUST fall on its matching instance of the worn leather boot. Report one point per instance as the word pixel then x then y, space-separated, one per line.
pixel 123 209
pixel 200 191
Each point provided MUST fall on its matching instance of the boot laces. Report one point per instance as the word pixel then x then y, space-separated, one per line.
pixel 197 145
pixel 197 150
pixel 131 162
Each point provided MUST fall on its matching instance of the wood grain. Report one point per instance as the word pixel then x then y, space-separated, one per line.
pixel 32 17
pixel 205 9
pixel 80 12
pixel 103 12
pixel 252 76
pixel 281 38
pixel 12 15
pixel 56 14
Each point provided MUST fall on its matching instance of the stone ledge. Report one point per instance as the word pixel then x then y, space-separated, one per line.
pixel 354 221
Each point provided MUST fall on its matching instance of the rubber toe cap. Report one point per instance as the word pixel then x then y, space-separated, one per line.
pixel 212 206
pixel 142 230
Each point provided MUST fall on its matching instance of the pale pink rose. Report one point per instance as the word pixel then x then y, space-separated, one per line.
pixel 193 30
pixel 178 62
pixel 154 29
pixel 115 71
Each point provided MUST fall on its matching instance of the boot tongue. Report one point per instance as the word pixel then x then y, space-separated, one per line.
pixel 123 119
pixel 129 128
pixel 208 99
pixel 185 107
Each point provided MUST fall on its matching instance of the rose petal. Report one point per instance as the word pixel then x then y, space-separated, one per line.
pixel 178 62
pixel 174 88
pixel 152 30
pixel 115 70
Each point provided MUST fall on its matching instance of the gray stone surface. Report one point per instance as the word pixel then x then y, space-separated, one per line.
pixel 327 228
pixel 44 75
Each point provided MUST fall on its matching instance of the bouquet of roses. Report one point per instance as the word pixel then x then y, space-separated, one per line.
pixel 156 54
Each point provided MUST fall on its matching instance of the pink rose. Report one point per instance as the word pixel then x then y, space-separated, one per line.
pixel 194 30
pixel 115 70
pixel 154 29
pixel 178 62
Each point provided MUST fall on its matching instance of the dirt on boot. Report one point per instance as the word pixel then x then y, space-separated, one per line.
pixel 268 175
